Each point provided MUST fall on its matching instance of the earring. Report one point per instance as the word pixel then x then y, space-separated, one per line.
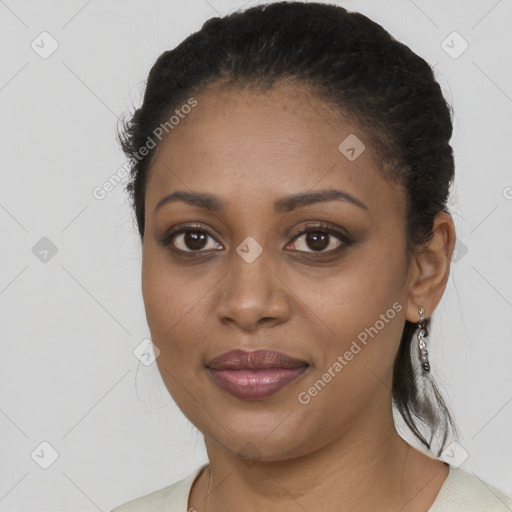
pixel 422 347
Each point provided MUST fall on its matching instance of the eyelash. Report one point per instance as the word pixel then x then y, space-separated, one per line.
pixel 319 228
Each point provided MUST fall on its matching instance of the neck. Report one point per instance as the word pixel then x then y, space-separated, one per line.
pixel 369 468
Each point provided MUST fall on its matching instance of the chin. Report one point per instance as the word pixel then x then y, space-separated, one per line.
pixel 260 437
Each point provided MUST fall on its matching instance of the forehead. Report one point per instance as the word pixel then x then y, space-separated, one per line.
pixel 244 142
pixel 285 121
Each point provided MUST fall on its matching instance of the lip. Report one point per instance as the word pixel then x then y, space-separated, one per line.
pixel 256 374
pixel 254 360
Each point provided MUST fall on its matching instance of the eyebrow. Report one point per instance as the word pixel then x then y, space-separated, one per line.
pixel 285 204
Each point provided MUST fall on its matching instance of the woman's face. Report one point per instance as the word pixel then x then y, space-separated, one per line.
pixel 246 275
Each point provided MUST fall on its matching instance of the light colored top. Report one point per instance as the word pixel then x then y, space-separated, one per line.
pixel 460 492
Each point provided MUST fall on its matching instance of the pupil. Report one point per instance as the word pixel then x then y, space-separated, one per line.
pixel 195 239
pixel 316 241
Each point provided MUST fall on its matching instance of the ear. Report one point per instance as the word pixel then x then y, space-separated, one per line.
pixel 430 268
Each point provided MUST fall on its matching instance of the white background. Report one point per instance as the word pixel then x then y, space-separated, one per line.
pixel 68 375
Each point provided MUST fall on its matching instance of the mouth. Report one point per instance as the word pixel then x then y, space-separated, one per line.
pixel 254 375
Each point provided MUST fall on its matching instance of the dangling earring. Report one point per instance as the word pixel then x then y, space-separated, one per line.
pixel 422 347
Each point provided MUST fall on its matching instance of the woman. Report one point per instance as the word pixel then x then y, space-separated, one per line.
pixel 291 169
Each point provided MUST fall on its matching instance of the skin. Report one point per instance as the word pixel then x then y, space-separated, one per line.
pixel 340 451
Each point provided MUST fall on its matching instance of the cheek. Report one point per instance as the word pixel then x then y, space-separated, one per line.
pixel 360 310
pixel 173 302
pixel 174 305
pixel 359 320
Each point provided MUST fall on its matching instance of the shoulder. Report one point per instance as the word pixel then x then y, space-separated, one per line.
pixel 173 498
pixel 465 492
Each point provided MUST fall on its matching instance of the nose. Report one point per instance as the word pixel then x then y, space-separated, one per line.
pixel 253 295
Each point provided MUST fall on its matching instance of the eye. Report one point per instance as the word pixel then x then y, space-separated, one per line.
pixel 189 238
pixel 319 238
